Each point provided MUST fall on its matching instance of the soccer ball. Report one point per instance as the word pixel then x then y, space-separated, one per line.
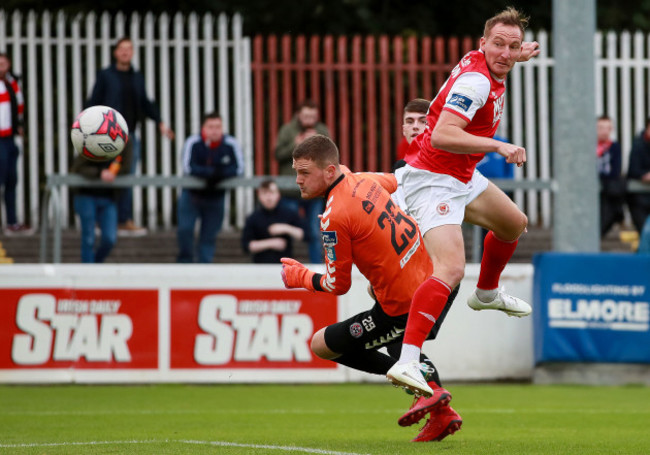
pixel 99 133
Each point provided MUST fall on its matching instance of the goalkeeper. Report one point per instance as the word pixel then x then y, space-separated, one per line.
pixel 362 225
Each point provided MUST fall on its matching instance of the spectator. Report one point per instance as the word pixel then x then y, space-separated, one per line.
pixel 270 230
pixel 96 207
pixel 214 156
pixel 639 169
pixel 121 87
pixel 11 120
pixel 612 186
pixel 303 125
pixel 414 122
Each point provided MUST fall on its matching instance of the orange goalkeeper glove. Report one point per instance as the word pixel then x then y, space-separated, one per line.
pixel 296 275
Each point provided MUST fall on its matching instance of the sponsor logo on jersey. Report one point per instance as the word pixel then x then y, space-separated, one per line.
pixel 329 238
pixel 356 330
pixel 368 206
pixel 409 254
pixel 460 101
pixel 443 208
pixel 330 252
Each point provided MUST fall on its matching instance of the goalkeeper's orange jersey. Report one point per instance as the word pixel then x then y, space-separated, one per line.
pixel 362 225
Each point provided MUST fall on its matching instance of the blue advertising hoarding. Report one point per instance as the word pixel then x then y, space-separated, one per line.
pixel 592 308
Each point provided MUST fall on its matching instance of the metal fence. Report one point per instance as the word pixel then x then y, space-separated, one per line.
pixel 191 65
pixel 194 64
pixel 362 84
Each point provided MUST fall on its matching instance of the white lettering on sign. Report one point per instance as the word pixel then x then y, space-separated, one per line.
pixel 279 335
pixel 69 335
pixel 598 289
pixel 605 314
pixel 269 306
pixel 88 306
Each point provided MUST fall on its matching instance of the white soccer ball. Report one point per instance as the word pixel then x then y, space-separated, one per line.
pixel 99 133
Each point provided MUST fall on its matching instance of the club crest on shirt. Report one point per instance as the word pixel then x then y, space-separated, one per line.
pixel 356 330
pixel 329 238
pixel 461 101
pixel 443 208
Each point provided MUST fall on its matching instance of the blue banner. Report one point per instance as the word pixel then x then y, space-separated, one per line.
pixel 592 308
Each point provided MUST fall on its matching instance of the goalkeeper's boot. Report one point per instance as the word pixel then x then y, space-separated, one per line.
pixel 512 306
pixel 442 423
pixel 408 376
pixel 421 406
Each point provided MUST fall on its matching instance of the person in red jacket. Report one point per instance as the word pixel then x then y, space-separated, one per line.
pixel 11 120
pixel 361 225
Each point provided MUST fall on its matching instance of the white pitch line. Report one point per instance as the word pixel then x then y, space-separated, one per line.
pixel 272 447
pixel 194 411
pixel 182 441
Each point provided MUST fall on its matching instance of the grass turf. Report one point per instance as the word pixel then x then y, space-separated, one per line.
pixel 325 419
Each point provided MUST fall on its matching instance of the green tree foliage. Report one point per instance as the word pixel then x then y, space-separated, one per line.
pixel 392 17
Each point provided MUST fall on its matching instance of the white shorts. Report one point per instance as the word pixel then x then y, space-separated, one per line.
pixel 438 199
pixel 398 195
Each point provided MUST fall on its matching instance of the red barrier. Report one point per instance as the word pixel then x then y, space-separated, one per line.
pixel 360 83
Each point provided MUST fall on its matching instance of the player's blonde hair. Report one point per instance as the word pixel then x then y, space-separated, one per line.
pixel 509 16
pixel 319 149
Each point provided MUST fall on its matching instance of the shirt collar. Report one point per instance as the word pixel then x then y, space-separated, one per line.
pixel 331 187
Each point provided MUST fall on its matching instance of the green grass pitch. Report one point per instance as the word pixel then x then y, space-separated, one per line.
pixel 321 419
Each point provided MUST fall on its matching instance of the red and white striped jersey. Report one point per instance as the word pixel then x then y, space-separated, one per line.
pixel 472 93
pixel 6 121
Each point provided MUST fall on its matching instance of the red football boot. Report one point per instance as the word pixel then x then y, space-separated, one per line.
pixel 421 406
pixel 441 424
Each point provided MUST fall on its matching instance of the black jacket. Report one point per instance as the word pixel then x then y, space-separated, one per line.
pixel 109 91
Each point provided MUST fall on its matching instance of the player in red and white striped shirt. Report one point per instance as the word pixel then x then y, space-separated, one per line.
pixel 443 189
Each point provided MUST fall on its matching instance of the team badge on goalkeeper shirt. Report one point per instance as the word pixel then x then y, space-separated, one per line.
pixel 356 330
pixel 331 253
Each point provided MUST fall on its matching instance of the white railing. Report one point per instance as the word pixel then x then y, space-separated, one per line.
pixel 195 64
pixel 622 72
pixel 191 64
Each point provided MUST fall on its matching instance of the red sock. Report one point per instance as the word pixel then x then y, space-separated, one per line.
pixel 496 254
pixel 428 302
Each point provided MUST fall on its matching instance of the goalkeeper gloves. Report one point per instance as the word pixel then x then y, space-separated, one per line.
pixel 296 275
